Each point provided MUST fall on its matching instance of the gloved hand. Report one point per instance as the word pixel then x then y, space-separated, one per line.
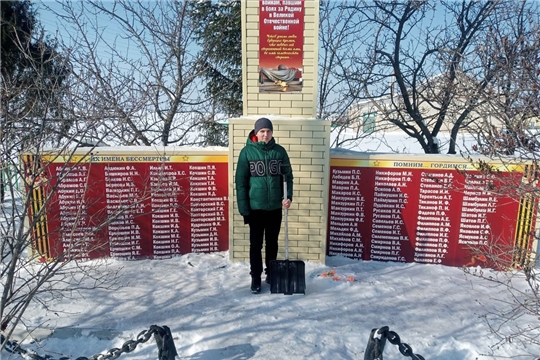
pixel 247 218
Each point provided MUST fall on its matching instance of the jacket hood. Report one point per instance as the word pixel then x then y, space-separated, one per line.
pixel 252 141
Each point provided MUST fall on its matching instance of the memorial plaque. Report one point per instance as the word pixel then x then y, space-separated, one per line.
pixel 281 45
pixel 135 207
pixel 419 211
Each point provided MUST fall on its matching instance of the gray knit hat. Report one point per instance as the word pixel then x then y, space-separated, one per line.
pixel 263 123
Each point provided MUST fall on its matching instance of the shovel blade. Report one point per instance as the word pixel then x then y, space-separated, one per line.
pixel 288 277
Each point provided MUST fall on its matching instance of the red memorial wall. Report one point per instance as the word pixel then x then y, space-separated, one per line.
pixel 134 206
pixel 421 211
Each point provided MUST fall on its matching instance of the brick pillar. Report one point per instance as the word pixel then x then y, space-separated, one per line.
pixel 306 139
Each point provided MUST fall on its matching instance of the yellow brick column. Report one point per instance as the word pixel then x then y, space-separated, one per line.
pixel 296 105
pixel 306 139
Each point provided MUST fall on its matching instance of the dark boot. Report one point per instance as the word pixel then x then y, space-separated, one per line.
pixel 268 279
pixel 256 285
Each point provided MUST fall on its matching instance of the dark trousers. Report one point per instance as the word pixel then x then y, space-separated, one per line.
pixel 263 225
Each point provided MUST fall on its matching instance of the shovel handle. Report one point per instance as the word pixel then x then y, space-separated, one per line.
pixel 286 219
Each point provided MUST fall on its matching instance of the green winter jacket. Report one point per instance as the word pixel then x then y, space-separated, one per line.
pixel 259 182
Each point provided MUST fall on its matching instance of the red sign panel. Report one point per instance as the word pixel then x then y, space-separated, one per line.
pixel 281 42
pixel 420 212
pixel 137 207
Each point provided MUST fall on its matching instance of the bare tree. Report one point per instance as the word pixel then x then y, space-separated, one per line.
pixel 457 66
pixel 420 66
pixel 516 264
pixel 515 100
pixel 138 66
pixel 34 269
pixel 336 38
pixel 338 96
pixel 48 112
pixel 141 90
pixel 31 95
pixel 515 95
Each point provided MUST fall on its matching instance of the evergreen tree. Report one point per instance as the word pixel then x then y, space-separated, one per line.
pixel 218 31
pixel 33 75
pixel 17 23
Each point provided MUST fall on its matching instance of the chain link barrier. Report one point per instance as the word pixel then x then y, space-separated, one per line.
pixel 377 341
pixel 162 335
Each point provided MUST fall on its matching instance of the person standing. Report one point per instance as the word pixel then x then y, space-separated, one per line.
pixel 260 197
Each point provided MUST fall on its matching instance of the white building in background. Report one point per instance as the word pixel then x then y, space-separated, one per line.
pixel 372 115
pixel 367 127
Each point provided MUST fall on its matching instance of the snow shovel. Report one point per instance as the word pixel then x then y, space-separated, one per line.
pixel 287 277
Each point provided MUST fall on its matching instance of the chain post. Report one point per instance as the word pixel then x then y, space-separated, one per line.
pixel 377 340
pixel 162 335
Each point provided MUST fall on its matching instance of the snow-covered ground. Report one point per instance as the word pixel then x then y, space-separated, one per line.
pixel 205 300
